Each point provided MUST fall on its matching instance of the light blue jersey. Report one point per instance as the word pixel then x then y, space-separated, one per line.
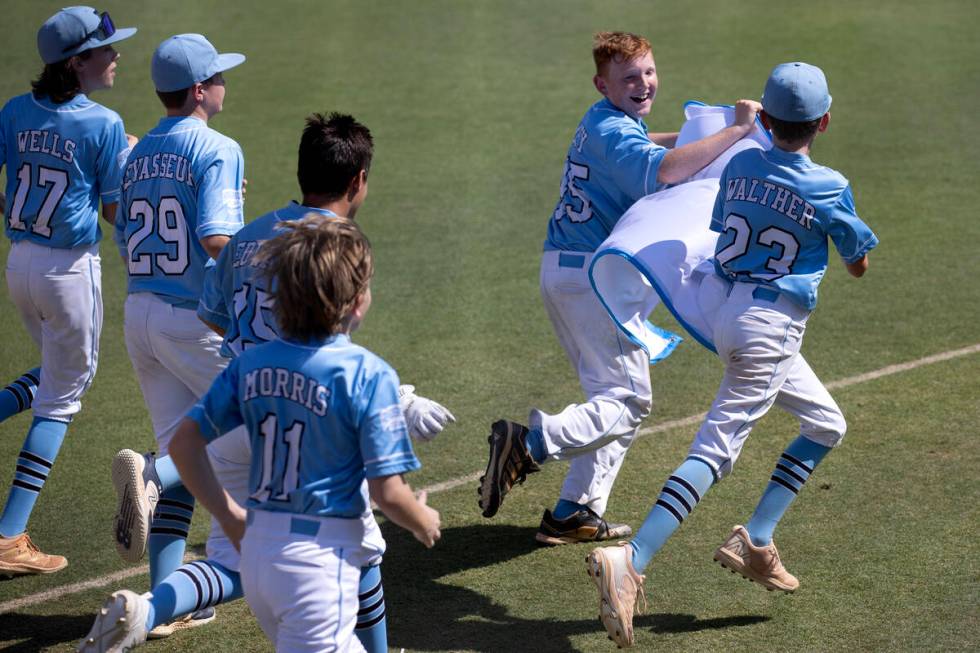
pixel 322 418
pixel 61 161
pixel 182 183
pixel 235 295
pixel 611 163
pixel 775 211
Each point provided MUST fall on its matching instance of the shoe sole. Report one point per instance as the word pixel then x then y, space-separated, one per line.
pixel 734 564
pixel 490 492
pixel 10 571
pixel 136 504
pixel 112 617
pixel 166 630
pixel 608 614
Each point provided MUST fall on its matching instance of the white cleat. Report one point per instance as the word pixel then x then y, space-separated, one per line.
pixel 119 626
pixel 138 491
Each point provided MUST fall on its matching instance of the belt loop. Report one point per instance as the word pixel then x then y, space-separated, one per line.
pixel 765 294
pixel 299 526
pixel 567 260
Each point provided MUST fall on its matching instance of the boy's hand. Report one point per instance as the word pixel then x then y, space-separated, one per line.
pixel 234 527
pixel 430 535
pixel 745 113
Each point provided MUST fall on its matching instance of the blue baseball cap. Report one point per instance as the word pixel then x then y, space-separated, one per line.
pixel 77 29
pixel 186 59
pixel 796 92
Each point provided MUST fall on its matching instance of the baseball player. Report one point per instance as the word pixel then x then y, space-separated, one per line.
pixel 612 162
pixel 326 431
pixel 775 211
pixel 61 150
pixel 181 202
pixel 334 159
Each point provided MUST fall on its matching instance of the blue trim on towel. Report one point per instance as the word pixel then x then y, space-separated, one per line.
pixel 758 121
pixel 705 342
pixel 673 338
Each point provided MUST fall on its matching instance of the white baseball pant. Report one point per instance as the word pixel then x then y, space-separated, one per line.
pixel 58 293
pixel 614 374
pixel 758 333
pixel 300 575
pixel 175 356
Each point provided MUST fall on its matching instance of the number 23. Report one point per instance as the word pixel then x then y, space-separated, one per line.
pixel 771 236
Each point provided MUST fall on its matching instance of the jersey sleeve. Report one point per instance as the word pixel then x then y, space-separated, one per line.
pixel 109 167
pixel 850 235
pixel 219 411
pixel 220 204
pixel 634 161
pixel 213 307
pixel 385 445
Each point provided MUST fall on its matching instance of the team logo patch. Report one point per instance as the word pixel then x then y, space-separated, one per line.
pixel 232 199
pixel 392 419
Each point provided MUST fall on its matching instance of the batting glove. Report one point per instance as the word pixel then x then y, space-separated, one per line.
pixel 425 418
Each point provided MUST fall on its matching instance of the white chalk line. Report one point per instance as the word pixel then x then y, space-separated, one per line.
pixel 684 422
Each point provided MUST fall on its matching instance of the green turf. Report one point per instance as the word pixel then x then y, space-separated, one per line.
pixel 472 104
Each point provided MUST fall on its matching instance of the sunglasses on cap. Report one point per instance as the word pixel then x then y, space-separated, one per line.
pixel 104 30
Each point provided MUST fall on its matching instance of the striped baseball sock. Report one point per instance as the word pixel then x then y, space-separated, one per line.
pixel 372 624
pixel 166 472
pixel 682 491
pixel 192 587
pixel 792 470
pixel 19 395
pixel 168 533
pixel 33 466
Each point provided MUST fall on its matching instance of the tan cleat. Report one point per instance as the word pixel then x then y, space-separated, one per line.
pixel 18 556
pixel 620 590
pixel 757 563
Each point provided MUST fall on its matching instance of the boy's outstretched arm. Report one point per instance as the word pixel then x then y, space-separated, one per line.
pixel 188 449
pixel 858 268
pixel 682 162
pixel 395 499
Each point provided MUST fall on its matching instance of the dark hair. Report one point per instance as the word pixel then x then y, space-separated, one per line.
pixel 177 99
pixel 318 268
pixel 793 131
pixel 59 81
pixel 174 99
pixel 332 152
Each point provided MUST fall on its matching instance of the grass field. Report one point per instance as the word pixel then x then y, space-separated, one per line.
pixel 472 105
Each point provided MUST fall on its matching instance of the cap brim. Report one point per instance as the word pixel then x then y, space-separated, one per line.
pixel 228 61
pixel 118 35
pixel 91 44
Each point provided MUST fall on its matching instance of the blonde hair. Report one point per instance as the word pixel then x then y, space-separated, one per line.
pixel 617 46
pixel 318 268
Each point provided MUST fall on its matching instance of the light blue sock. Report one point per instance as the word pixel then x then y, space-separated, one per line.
pixel 33 466
pixel 565 509
pixel 19 395
pixel 792 470
pixel 682 491
pixel 192 587
pixel 372 624
pixel 167 472
pixel 535 444
pixel 168 533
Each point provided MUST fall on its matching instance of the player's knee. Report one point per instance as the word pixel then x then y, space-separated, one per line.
pixel 829 432
pixel 638 408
